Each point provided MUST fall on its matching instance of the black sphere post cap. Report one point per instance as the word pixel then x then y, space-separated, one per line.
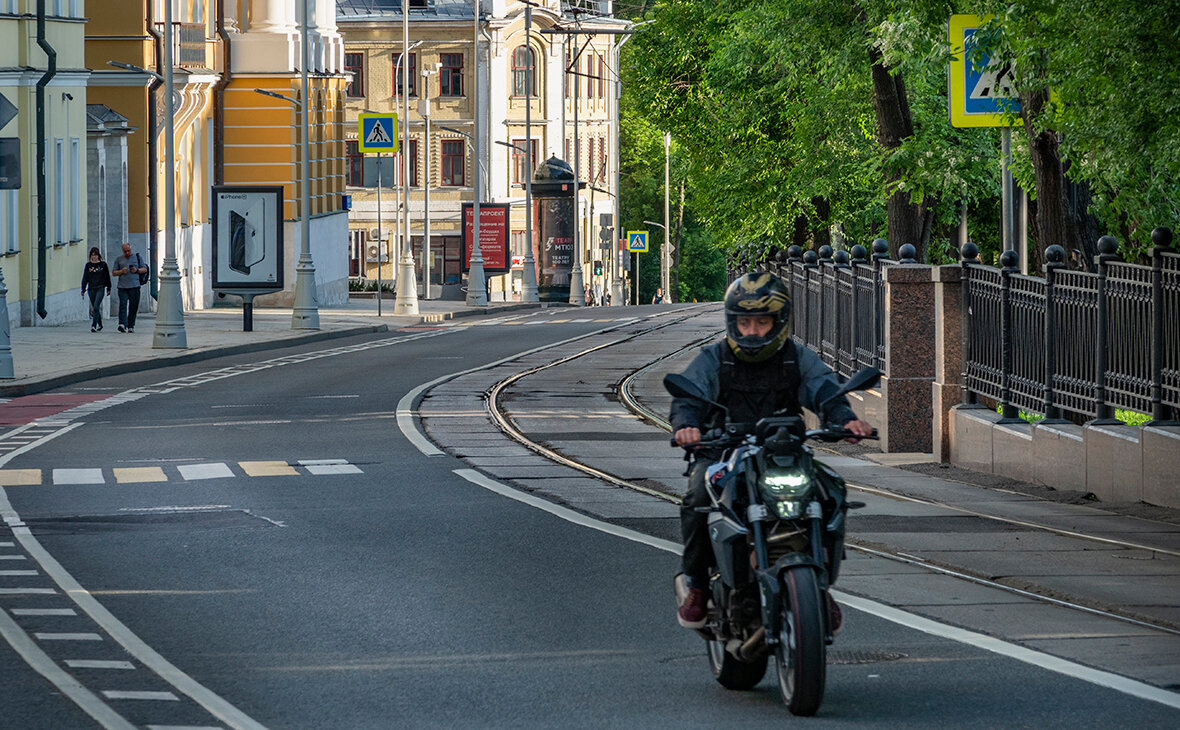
pixel 908 252
pixel 1009 259
pixel 810 257
pixel 880 246
pixel 825 252
pixel 1108 245
pixel 1055 254
pixel 841 257
pixel 969 252
pixel 795 252
pixel 1161 237
pixel 859 252
pixel 781 256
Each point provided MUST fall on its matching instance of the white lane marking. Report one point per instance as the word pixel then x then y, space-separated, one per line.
pixel 183 727
pixel 904 618
pixel 122 694
pixel 36 658
pixel 194 472
pixel 53 636
pixel 15 573
pixel 135 646
pixel 34 444
pixel 78 476
pixel 43 612
pixel 27 591
pixel 6 544
pixel 321 462
pixel 13 557
pixel 322 469
pixel 565 513
pixel 98 664
pixel 405 406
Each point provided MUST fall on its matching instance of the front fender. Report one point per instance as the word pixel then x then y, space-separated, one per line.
pixel 770 586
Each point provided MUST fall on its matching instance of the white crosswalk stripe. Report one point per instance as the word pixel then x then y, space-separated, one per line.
pixel 124 475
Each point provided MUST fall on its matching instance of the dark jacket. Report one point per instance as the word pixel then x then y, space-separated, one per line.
pixel 96 276
pixel 816 383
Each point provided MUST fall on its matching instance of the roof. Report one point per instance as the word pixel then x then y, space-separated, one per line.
pixel 392 9
pixel 101 116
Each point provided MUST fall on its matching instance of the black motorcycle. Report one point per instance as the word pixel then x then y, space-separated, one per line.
pixel 776 524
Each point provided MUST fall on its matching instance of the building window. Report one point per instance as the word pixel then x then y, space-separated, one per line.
pixel 9 203
pixel 602 168
pixel 523 59
pixel 590 76
pixel 397 74
pixel 354 63
pixel 450 76
pixel 601 77
pixel 76 173
pixel 413 165
pixel 59 190
pixel 592 177
pixel 521 167
pixel 354 174
pixel 453 164
pixel 518 243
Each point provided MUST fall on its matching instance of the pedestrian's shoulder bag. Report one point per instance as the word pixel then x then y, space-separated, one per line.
pixel 143 278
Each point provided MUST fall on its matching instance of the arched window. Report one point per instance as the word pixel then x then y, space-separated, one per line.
pixel 523 59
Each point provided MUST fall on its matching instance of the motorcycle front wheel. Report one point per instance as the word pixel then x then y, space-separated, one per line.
pixel 801 655
pixel 731 672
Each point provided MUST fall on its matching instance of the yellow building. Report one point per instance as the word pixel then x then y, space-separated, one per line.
pixel 442 35
pixel 225 132
pixel 43 208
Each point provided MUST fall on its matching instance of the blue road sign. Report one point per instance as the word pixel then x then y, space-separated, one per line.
pixel 378 132
pixel 983 96
pixel 637 241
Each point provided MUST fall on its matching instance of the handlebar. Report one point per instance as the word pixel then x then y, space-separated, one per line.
pixel 717 438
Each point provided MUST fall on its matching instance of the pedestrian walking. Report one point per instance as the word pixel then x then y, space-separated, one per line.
pixel 96 278
pixel 132 275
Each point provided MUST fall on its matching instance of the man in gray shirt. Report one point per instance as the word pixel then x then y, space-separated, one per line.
pixel 128 267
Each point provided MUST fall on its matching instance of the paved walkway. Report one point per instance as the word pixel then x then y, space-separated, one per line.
pixel 50 357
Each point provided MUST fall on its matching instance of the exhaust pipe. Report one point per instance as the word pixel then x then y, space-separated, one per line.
pixel 753 648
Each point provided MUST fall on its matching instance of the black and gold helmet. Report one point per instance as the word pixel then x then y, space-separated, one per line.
pixel 755 294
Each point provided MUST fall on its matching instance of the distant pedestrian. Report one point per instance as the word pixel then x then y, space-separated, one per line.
pixel 589 296
pixel 97 278
pixel 129 268
pixel 658 297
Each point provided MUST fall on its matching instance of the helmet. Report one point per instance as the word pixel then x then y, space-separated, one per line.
pixel 754 294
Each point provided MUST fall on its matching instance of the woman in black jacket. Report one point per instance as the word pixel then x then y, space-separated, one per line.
pixel 96 277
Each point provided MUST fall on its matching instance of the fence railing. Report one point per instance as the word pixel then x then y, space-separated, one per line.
pixel 1072 341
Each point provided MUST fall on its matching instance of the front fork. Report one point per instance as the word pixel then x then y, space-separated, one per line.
pixel 769 584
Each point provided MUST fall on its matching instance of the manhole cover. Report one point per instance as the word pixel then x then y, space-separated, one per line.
pixel 863 657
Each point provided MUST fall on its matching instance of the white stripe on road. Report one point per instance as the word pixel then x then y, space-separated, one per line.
pixel 904 618
pixel 43 612
pixel 14 573
pixel 26 591
pixel 98 664
pixel 322 469
pixel 122 694
pixel 52 636
pixel 12 557
pixel 195 472
pixel 36 658
pixel 34 444
pixel 78 476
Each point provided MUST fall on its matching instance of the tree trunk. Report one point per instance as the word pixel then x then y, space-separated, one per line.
pixel 822 233
pixel 1049 175
pixel 1082 226
pixel 894 124
pixel 677 245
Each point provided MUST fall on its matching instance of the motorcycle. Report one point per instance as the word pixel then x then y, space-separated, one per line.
pixel 776 524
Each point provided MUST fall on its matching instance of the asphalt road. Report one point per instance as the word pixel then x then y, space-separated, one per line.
pixel 299 564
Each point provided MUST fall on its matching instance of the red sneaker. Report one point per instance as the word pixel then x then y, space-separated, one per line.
pixel 692 612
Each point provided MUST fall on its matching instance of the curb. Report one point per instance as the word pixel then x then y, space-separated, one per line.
pixel 162 361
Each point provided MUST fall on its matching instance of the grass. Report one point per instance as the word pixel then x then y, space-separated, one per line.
pixel 1131 418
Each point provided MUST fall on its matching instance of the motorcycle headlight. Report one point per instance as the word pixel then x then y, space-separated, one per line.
pixel 784 490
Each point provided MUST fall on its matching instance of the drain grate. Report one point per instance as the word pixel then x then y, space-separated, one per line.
pixel 863 657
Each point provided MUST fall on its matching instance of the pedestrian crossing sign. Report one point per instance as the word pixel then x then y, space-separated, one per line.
pixel 983 95
pixel 377 133
pixel 637 241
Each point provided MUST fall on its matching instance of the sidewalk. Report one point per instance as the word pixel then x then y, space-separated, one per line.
pixel 50 357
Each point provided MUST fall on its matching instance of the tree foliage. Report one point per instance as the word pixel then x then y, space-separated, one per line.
pixel 776 110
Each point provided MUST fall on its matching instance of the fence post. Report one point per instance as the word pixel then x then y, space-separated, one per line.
pixel 858 257
pixel 1162 240
pixel 810 266
pixel 880 254
pixel 841 262
pixel 798 309
pixel 969 257
pixel 825 267
pixel 1009 261
pixel 1055 261
pixel 1108 247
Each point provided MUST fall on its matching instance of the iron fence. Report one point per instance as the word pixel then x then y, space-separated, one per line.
pixel 1075 342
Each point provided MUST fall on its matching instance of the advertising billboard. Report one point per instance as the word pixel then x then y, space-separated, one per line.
pixel 493 237
pixel 247 237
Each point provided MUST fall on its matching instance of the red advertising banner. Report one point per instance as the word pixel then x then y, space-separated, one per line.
pixel 493 237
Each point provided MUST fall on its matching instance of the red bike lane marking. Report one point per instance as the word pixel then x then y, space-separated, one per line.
pixel 29 408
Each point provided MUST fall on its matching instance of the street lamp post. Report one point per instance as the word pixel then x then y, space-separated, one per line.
pixel 477 295
pixel 528 287
pixel 169 332
pixel 304 314
pixel 663 228
pixel 407 284
pixel 666 257
pixel 424 111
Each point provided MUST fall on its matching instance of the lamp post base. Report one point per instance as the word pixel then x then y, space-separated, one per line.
pixel 169 333
pixel 577 288
pixel 305 315
pixel 477 284
pixel 616 293
pixel 528 290
pixel 407 287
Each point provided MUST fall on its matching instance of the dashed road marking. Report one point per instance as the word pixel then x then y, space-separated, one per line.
pixel 13 557
pixel 67 636
pixel 44 612
pixel 194 472
pixel 17 573
pixel 78 476
pixel 267 468
pixel 182 473
pixel 19 478
pixel 139 474
pixel 123 694
pixel 98 664
pixel 328 466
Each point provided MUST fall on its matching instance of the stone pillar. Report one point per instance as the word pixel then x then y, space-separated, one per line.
pixel 909 359
pixel 272 16
pixel 948 354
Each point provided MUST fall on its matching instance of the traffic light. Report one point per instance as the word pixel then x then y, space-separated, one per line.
pixel 598 268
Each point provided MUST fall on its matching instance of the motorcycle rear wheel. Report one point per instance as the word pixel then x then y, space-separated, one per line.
pixel 733 673
pixel 801 655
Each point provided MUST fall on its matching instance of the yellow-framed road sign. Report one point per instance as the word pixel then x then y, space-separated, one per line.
pixel 377 132
pixel 637 241
pixel 979 97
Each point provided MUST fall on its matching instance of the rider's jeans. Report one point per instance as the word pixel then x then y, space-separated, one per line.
pixel 694 527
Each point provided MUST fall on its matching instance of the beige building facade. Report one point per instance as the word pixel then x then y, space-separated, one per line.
pixel 568 70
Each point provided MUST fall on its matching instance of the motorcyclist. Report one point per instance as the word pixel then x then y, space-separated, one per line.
pixel 755 372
